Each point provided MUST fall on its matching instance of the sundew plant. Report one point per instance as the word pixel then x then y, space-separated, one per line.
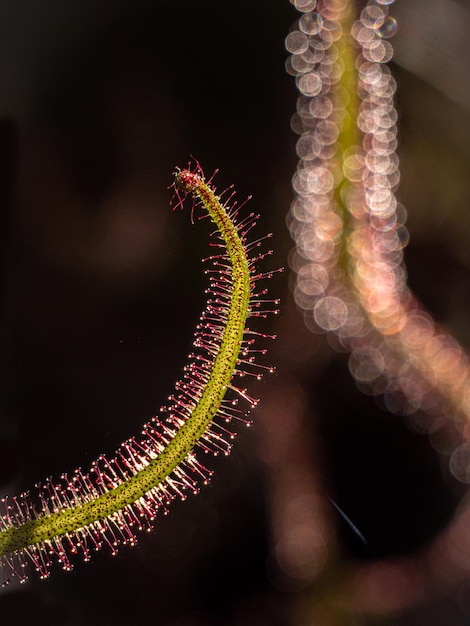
pixel 348 227
pixel 347 221
pixel 82 513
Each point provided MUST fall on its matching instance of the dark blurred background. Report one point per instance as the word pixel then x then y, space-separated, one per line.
pixel 101 288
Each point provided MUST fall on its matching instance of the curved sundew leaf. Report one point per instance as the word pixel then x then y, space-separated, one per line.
pixel 117 496
pixel 347 221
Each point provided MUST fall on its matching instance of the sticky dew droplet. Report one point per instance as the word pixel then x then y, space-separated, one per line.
pixel 330 313
pixel 304 5
pixel 296 42
pixel 388 28
pixel 311 23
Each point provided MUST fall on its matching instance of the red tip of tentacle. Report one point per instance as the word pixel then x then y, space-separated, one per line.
pixel 187 181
